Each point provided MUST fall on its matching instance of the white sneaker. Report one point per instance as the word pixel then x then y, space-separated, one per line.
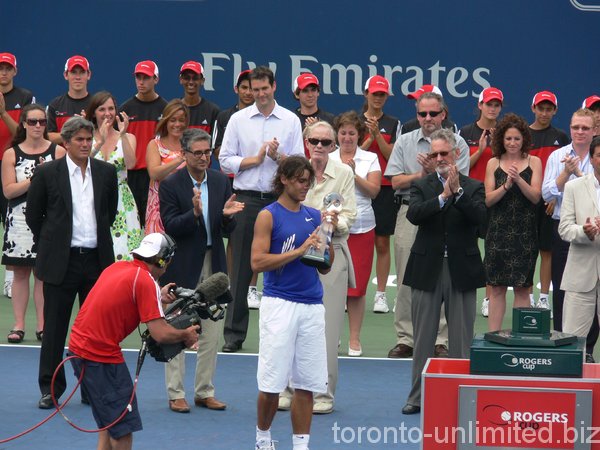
pixel 284 404
pixel 253 298
pixel 543 303
pixel 8 288
pixel 265 445
pixel 485 307
pixel 380 304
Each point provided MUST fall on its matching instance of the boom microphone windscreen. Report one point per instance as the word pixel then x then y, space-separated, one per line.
pixel 214 286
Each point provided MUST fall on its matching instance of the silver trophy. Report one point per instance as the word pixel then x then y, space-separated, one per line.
pixel 319 257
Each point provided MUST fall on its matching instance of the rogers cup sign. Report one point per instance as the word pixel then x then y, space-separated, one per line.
pixel 531 419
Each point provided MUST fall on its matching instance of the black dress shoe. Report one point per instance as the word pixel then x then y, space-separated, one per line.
pixel 411 409
pixel 46 402
pixel 231 347
pixel 589 358
pixel 401 351
pixel 441 351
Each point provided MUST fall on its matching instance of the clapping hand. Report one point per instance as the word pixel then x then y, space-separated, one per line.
pixel 122 123
pixel 591 229
pixel 232 206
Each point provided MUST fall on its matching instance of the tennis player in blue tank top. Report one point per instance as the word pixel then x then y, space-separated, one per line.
pixel 292 316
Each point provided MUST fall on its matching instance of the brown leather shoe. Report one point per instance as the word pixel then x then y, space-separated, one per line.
pixel 179 405
pixel 210 403
pixel 401 351
pixel 441 351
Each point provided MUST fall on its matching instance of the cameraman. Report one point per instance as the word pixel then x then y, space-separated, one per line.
pixel 125 295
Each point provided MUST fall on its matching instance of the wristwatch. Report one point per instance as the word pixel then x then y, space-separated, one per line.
pixel 460 191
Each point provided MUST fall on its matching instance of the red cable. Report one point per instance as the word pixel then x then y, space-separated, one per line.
pixel 59 408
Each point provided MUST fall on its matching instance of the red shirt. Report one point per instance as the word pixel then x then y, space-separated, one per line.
pixel 124 295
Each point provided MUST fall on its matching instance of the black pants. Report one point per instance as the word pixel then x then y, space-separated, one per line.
pixel 139 182
pixel 82 273
pixel 236 319
pixel 560 251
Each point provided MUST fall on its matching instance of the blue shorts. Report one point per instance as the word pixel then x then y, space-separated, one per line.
pixel 109 388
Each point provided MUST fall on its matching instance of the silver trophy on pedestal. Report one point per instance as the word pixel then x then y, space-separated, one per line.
pixel 319 257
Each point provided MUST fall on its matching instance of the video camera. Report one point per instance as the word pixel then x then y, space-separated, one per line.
pixel 190 306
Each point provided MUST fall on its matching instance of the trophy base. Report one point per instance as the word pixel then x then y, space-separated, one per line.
pixel 508 337
pixel 315 261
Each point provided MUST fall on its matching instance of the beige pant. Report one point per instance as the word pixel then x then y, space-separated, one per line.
pixel 206 356
pixel 578 311
pixel 335 289
pixel 404 237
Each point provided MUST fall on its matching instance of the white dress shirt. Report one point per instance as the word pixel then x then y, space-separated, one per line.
pixel 245 134
pixel 85 233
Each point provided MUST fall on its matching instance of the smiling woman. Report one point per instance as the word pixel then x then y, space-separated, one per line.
pixel 164 156
pixel 31 147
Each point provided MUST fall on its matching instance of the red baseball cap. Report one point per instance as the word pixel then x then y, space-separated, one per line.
pixel 544 96
pixel 147 68
pixel 240 75
pixel 305 79
pixel 491 93
pixel 8 58
pixel 377 83
pixel 77 60
pixel 587 103
pixel 194 66
pixel 425 88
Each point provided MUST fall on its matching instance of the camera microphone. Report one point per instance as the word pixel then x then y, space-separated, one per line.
pixel 214 288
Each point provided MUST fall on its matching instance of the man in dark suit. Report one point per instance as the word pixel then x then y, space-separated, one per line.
pixel 71 205
pixel 196 207
pixel 445 263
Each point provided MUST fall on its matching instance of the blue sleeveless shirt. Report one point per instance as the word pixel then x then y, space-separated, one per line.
pixel 295 282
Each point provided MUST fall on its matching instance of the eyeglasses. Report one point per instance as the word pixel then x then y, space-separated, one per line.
pixel 423 114
pixel 324 142
pixel 436 154
pixel 34 122
pixel 189 77
pixel 200 154
pixel 580 127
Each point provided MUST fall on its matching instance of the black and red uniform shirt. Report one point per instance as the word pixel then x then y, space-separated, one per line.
pixel 62 108
pixel 204 115
pixel 320 115
pixel 143 118
pixel 388 127
pixel 544 142
pixel 15 100
pixel 471 134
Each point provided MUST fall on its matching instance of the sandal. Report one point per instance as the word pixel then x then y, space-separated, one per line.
pixel 39 335
pixel 20 335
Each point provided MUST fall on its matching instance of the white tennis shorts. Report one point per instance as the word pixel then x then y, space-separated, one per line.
pixel 292 346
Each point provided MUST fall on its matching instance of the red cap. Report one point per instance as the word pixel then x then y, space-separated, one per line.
pixel 147 68
pixel 240 75
pixel 305 79
pixel 8 58
pixel 587 103
pixel 544 96
pixel 194 66
pixel 425 88
pixel 491 93
pixel 377 83
pixel 77 60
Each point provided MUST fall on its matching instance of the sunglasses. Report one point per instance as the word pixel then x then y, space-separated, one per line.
pixel 423 114
pixel 200 154
pixel 435 155
pixel 324 142
pixel 34 122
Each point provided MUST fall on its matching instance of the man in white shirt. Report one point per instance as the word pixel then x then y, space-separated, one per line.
pixel 256 140
pixel 71 205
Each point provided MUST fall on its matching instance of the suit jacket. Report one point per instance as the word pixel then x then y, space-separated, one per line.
pixel 579 202
pixel 452 228
pixel 49 215
pixel 189 232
